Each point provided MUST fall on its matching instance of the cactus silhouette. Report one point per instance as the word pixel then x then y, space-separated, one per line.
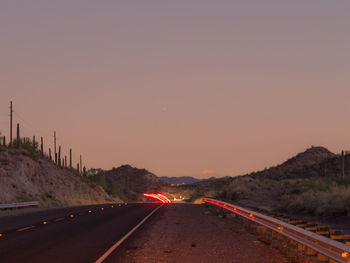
pixel 70 158
pixel 84 171
pixel 59 156
pixel 50 156
pixel 18 137
pixel 342 165
pixel 78 168
pixel 4 141
pixel 42 147
pixel 65 161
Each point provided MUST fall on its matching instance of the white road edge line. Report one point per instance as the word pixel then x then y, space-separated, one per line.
pixel 109 251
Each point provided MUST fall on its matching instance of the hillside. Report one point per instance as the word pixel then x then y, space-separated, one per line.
pixel 298 165
pixel 128 182
pixel 310 183
pixel 23 178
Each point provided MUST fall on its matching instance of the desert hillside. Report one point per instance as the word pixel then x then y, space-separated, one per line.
pixel 24 178
pixel 312 183
pixel 128 182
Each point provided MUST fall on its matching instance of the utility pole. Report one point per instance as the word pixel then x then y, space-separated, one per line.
pixel 11 111
pixel 54 140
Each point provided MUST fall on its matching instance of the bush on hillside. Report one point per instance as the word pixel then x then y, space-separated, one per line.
pixel 334 201
pixel 107 183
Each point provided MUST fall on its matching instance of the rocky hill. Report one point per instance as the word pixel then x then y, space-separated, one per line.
pixel 298 165
pixel 310 183
pixel 128 182
pixel 24 178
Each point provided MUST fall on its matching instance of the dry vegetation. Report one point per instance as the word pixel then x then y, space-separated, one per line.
pixel 25 178
pixel 128 182
pixel 310 184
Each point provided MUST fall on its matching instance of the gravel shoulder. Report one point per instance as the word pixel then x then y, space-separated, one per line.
pixel 183 233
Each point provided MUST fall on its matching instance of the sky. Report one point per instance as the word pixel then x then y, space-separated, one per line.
pixel 182 88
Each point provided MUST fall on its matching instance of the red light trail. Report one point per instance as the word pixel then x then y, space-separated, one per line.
pixel 159 197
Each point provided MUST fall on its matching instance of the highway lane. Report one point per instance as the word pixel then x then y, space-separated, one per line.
pixel 80 238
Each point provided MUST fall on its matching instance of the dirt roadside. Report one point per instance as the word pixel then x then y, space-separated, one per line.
pixel 184 233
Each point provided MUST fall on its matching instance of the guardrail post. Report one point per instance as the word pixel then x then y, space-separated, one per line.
pixel 310 252
pixel 321 257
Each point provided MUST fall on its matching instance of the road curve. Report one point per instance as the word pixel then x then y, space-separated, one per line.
pixel 78 234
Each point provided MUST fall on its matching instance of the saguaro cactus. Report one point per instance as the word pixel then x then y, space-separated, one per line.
pixel 65 161
pixel 59 156
pixel 34 142
pixel 342 165
pixel 42 146
pixel 50 156
pixel 70 158
pixel 78 170
pixel 4 141
pixel 84 171
pixel 18 135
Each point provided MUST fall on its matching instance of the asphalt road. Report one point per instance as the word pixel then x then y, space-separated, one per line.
pixel 76 234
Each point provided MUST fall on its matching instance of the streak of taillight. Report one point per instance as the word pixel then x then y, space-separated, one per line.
pixel 166 198
pixel 154 197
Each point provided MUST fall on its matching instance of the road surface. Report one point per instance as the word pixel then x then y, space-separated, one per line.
pixel 77 234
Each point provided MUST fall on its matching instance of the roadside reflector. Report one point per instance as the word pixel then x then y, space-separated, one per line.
pixel 44 223
pixel 112 206
pixel 90 212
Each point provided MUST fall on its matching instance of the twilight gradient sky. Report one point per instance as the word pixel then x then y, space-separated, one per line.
pixel 178 87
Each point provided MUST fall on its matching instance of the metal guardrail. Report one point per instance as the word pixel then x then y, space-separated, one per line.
pixel 19 205
pixel 325 246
